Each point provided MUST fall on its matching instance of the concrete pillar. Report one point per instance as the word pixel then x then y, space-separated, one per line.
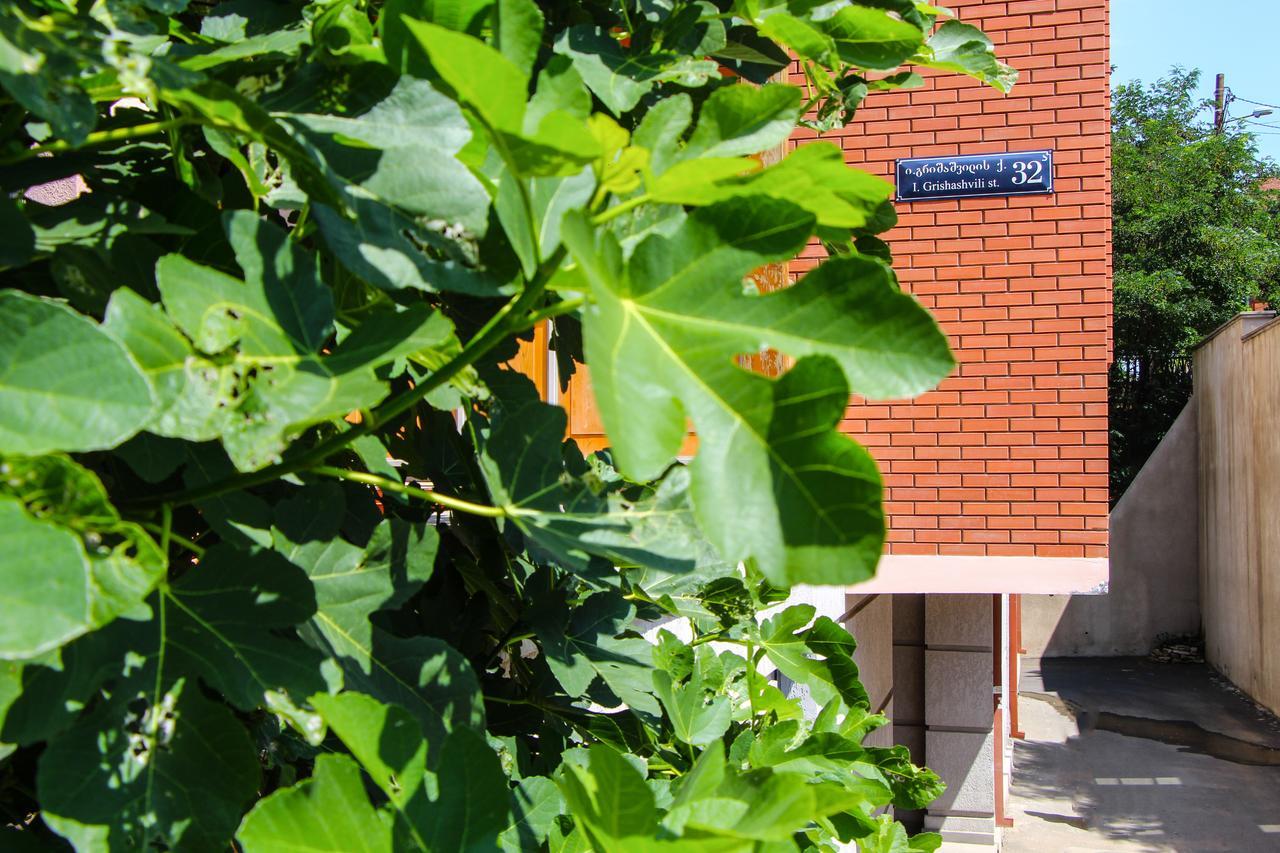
pixel 908 687
pixel 872 626
pixel 959 739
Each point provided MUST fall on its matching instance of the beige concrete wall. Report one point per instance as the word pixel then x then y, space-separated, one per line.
pixel 1154 585
pixel 1238 388
pixel 1263 354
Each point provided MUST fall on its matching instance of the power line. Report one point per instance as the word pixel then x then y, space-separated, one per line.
pixel 1261 123
pixel 1236 97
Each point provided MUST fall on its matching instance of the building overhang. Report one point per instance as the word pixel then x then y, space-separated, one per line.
pixel 909 573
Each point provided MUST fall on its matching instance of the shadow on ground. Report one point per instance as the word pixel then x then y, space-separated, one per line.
pixel 1123 754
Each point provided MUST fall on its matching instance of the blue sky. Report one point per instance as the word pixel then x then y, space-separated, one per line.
pixel 1149 36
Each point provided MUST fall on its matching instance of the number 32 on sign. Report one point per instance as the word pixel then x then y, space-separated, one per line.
pixel 967 175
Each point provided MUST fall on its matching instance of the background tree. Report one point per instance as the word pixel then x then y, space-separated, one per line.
pixel 1196 237
pixel 289 557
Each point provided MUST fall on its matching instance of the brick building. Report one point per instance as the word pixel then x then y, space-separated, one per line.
pixel 996 482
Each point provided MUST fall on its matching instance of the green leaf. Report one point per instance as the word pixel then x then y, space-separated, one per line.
pixel 480 77
pixel 227 620
pixel 609 795
pixel 964 48
pixel 820 657
pixel 661 338
pixel 385 739
pixel 531 209
pixel 814 176
pixel 535 801
pixel 762 805
pixel 10 690
pixel 558 500
pixel 287 277
pixel 872 38
pixel 95 221
pixel 517 31
pixel 425 676
pixel 46 604
pixel 891 837
pixel 402 152
pixel 186 400
pixel 695 719
pixel 661 129
pixel 582 643
pixel 620 76
pixel 264 47
pixel 744 119
pixel 65 384
pixel 703 778
pixel 352 582
pixel 56 688
pixel 277 384
pixel 913 787
pixel 805 38
pixel 413 114
pixel 226 109
pixel 560 88
pixel 41 74
pixel 474 805
pixel 470 805
pixel 393 251
pixel 167 767
pixel 495 91
pixel 328 812
pixel 93 566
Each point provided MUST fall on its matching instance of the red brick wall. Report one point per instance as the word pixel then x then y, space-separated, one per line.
pixel 1009 455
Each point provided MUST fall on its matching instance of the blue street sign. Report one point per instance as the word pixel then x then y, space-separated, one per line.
pixel 968 175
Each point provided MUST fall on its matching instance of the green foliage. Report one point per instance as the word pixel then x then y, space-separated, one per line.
pixel 290 560
pixel 1196 238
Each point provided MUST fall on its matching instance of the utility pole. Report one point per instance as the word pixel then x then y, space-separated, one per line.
pixel 1220 104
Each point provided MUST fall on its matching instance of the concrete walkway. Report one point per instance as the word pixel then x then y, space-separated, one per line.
pixel 1123 754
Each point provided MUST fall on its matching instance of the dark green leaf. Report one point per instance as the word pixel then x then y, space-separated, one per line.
pixel 557 500
pixel 93 566
pixel 17 240
pixel 64 383
pixel 167 767
pixel 583 643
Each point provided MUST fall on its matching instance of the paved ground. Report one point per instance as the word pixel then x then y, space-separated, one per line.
pixel 1130 756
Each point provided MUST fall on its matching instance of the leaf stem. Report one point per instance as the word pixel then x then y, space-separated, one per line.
pixel 166 537
pixel 387 485
pixel 101 137
pixel 566 306
pixel 619 209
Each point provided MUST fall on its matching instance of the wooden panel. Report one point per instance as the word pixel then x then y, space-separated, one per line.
pixel 585 426
pixel 531 360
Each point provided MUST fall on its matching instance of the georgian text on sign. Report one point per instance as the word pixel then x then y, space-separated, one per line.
pixel 968 175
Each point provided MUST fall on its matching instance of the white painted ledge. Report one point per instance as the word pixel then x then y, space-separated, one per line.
pixel 904 573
